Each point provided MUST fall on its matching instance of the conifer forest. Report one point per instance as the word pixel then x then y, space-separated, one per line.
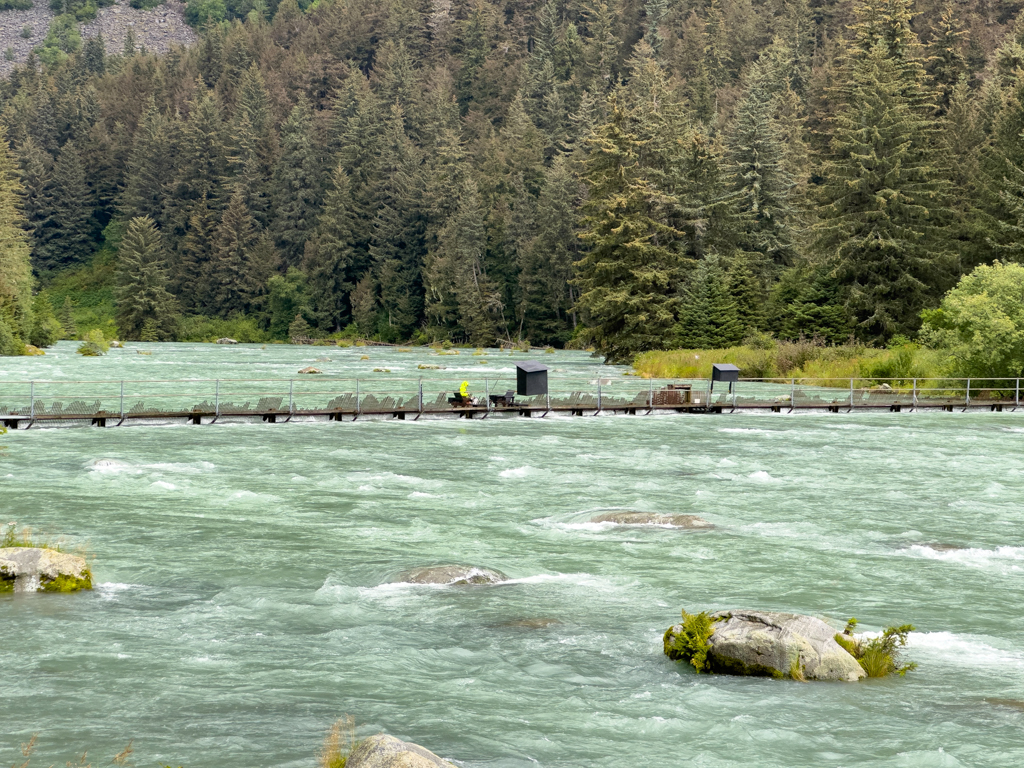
pixel 630 175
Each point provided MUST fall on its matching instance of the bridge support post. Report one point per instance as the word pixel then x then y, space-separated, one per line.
pixel 851 393
pixel 914 395
pixel 31 402
pixel 598 397
pixel 216 402
pixel 792 394
pixel 967 397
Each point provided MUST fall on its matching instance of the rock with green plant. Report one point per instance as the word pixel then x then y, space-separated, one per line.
pixel 761 643
pixel 94 344
pixel 383 751
pixel 451 575
pixel 38 569
pixel 690 522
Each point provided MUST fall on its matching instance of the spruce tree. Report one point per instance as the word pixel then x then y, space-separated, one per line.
pixel 708 317
pixel 262 263
pixel 36 175
pixel 65 237
pixel 297 184
pixel 67 320
pixel 762 181
pixel 149 168
pixel 234 240
pixel 328 258
pixel 141 295
pixel 882 206
pixel 45 328
pixel 15 268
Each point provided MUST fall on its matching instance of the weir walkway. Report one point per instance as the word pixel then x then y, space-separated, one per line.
pixel 206 401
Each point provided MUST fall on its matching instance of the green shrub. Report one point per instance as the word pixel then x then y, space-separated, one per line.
pixel 94 344
pixel 15 5
pixel 198 328
pixel 878 656
pixel 8 53
pixel 145 5
pixel 980 323
pixel 26 31
pixel 200 12
pixel 693 642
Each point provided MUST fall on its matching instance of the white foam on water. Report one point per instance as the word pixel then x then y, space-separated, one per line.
pixel 1004 558
pixel 747 429
pixel 108 590
pixel 518 472
pixel 762 477
pixel 166 486
pixel 391 477
pixel 421 495
pixel 110 467
pixel 963 650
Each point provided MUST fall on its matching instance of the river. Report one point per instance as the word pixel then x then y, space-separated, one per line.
pixel 241 601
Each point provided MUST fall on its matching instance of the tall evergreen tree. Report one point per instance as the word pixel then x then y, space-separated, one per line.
pixel 708 318
pixel 141 296
pixel 328 258
pixel 15 269
pixel 882 202
pixel 629 278
pixel 235 238
pixel 64 237
pixel 149 168
pixel 297 184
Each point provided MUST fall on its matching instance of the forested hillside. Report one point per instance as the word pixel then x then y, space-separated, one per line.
pixel 632 175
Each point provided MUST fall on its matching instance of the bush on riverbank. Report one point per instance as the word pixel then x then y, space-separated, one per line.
pixel 338 743
pixel 766 358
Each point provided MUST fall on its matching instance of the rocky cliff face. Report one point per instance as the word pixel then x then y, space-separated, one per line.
pixel 156 30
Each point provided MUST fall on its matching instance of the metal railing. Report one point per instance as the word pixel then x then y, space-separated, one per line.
pixel 107 402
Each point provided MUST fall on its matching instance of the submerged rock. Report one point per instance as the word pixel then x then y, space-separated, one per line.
pixel 310 369
pixel 33 351
pixel 652 518
pixel 37 569
pixel 450 574
pixel 383 751
pixel 226 340
pixel 773 644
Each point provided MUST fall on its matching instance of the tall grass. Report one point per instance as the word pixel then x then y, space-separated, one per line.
pixel 834 366
pixel 338 744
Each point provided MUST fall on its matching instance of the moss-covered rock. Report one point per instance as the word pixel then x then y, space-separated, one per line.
pixel 764 643
pixel 383 751
pixel 38 569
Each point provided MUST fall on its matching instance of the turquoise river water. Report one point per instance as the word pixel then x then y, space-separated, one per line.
pixel 242 605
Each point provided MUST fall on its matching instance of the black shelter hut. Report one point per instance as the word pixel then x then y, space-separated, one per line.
pixel 531 378
pixel 726 373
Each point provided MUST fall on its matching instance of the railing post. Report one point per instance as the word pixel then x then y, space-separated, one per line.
pixel 357 397
pixel 122 399
pixel 216 400
pixel 291 396
pixel 487 394
pixel 32 400
pixel 792 394
pixel 734 393
pixel 913 397
pixel 650 395
pixel 967 397
pixel 598 396
pixel 851 393
pixel 420 399
pixel 1016 395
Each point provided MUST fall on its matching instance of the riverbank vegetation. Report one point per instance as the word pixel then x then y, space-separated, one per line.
pixel 632 176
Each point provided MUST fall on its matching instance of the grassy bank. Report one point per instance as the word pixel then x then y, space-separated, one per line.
pixel 801 359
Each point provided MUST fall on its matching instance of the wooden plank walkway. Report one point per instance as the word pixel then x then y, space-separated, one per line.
pixel 115 403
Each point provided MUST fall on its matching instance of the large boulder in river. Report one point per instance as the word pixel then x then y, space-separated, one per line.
pixel 37 569
pixel 383 751
pixel 773 644
pixel 652 518
pixel 226 340
pixel 450 575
